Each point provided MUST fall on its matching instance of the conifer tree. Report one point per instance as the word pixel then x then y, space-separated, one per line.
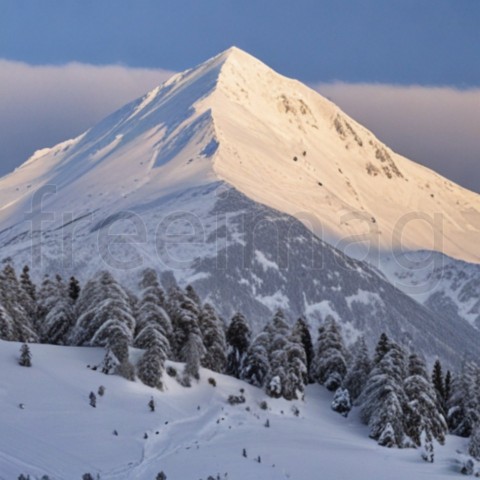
pixel 105 316
pixel 474 442
pixel 193 295
pixel 25 356
pixel 330 360
pixel 358 371
pixel 422 412
pixel 74 289
pixel 213 335
pixel 256 365
pixel 30 291
pixel 463 405
pixel 238 337
pixel 151 366
pixel 192 353
pixel 302 333
pixel 14 300
pixel 6 325
pixel 383 400
pixel 383 346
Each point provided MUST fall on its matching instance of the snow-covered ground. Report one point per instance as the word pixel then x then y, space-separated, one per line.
pixel 192 434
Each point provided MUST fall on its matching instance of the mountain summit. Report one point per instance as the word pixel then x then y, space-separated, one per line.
pixel 274 139
pixel 229 177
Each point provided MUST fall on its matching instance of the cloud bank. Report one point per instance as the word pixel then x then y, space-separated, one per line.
pixel 44 105
pixel 41 106
pixel 436 126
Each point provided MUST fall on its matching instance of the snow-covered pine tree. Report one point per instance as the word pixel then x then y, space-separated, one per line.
pixel 277 343
pixel 213 335
pixel 25 359
pixel 383 346
pixel 30 289
pixel 256 365
pixel 55 312
pixel 383 399
pixel 302 332
pixel 151 366
pixel 330 355
pixel 151 314
pixel 184 314
pixel 474 442
pixel 192 353
pixel 56 326
pixel 105 317
pixel 74 289
pixel 358 370
pixel 438 382
pixel 426 441
pixel 238 337
pixel 422 412
pixel 341 402
pixel 296 372
pixel 193 295
pixel 448 388
pixel 6 325
pixel 153 339
pixel 14 301
pixel 464 403
pixel 151 289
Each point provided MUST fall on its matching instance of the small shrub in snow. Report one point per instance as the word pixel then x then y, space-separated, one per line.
pixel 236 399
pixel 468 467
pixel 295 410
pixel 93 399
pixel 387 437
pixel 212 382
pixel 161 476
pixel 109 363
pixel 23 477
pixel 25 356
pixel 151 404
pixel 267 423
pixel 341 402
pixel 244 453
pixel 101 390
pixel 87 476
pixel 264 405
pixel 171 371
pixel 427 447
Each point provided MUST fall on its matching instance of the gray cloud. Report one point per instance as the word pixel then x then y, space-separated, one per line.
pixel 41 106
pixel 436 126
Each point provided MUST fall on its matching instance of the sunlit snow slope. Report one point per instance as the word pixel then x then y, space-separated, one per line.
pixel 273 139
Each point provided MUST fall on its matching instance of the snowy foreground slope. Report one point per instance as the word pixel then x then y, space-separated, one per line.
pixel 199 434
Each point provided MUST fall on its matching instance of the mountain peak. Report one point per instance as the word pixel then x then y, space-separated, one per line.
pixel 280 143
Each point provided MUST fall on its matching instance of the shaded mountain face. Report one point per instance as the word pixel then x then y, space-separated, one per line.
pixel 234 178
pixel 443 284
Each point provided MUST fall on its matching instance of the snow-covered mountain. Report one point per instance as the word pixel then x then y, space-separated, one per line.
pixel 193 434
pixel 230 176
pixel 273 139
pixel 444 285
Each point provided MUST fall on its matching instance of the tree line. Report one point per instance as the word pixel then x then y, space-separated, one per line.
pixel 401 402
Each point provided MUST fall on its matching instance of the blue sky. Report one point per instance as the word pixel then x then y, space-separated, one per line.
pixel 434 42
pixel 362 44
